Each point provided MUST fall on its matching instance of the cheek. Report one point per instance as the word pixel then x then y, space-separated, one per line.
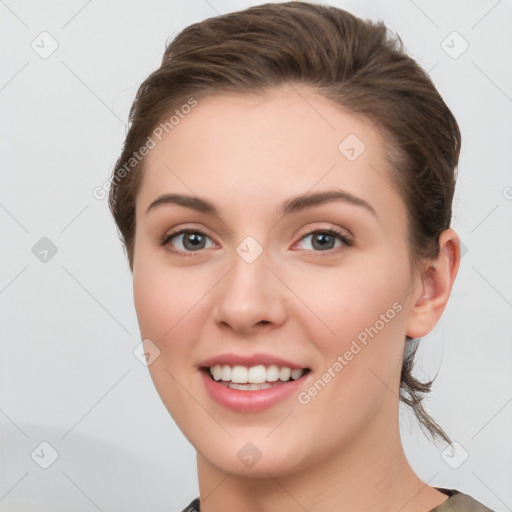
pixel 361 333
pixel 172 310
pixel 156 310
pixel 164 297
pixel 168 309
pixel 346 302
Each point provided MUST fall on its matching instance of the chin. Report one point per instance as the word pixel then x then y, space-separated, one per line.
pixel 258 458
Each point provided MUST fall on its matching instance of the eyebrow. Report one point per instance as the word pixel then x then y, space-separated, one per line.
pixel 302 202
pixel 292 205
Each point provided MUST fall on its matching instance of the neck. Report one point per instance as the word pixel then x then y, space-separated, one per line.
pixel 363 477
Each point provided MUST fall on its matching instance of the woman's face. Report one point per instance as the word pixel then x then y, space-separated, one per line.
pixel 269 238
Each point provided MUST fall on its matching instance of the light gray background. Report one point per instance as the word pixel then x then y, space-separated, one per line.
pixel 68 374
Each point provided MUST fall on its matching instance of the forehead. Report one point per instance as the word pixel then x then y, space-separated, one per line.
pixel 243 148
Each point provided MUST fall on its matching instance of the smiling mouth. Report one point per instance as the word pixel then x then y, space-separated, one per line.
pixel 253 378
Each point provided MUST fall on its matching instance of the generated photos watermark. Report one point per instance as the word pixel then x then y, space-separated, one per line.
pixel 358 343
pixel 100 192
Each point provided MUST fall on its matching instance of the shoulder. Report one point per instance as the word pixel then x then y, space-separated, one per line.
pixel 459 502
pixel 193 507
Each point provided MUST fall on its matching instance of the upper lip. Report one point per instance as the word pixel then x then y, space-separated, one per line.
pixel 249 361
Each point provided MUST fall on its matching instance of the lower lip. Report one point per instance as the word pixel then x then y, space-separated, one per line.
pixel 250 401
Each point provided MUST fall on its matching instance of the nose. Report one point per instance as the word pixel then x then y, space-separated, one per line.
pixel 250 298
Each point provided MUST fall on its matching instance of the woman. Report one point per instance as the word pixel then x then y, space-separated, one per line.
pixel 284 196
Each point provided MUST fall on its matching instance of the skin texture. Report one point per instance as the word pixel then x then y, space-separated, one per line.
pixel 247 155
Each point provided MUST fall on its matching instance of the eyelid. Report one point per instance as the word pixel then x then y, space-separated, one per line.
pixel 308 230
pixel 186 228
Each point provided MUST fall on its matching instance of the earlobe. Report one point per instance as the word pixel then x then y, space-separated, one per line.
pixel 433 291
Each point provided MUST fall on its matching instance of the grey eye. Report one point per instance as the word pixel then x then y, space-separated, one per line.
pixel 190 241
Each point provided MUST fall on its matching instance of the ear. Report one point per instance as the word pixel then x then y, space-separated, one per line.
pixel 431 294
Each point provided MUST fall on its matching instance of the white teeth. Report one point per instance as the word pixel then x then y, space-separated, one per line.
pixel 285 374
pixel 216 372
pixel 226 372
pixel 239 374
pixel 255 375
pixel 297 373
pixel 248 387
pixel 273 373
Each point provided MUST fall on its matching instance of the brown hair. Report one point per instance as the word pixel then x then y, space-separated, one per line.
pixel 355 63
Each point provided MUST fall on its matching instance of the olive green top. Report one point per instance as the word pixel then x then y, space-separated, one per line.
pixel 457 502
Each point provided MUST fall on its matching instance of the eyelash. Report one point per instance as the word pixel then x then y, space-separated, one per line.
pixel 347 242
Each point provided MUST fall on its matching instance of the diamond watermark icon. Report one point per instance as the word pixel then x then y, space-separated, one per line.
pixel 249 455
pixel 351 147
pixel 249 249
pixel 454 455
pixel 44 250
pixel 463 249
pixel 146 352
pixel 45 45
pixel 454 45
pixel 44 455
